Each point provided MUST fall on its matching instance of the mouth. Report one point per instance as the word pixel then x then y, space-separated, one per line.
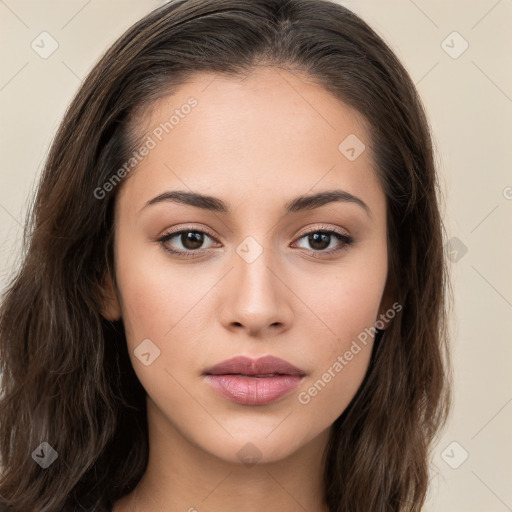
pixel 254 381
pixel 268 366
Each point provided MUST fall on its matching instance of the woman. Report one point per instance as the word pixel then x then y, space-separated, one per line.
pixel 233 293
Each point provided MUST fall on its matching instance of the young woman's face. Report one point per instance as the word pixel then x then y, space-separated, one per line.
pixel 252 278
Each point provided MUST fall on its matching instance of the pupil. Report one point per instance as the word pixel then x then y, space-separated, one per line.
pixel 314 240
pixel 192 240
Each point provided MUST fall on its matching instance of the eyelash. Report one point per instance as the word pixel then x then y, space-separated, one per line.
pixel 345 240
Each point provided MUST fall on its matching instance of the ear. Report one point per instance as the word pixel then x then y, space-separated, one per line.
pixel 109 304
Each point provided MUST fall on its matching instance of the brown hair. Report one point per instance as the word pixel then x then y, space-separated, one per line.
pixel 66 377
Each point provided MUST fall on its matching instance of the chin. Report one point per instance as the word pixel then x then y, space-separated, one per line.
pixel 257 445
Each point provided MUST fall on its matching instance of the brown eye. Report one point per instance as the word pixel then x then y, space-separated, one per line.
pixel 191 239
pixel 188 241
pixel 320 240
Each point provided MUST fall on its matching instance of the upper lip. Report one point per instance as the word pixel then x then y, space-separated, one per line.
pixel 267 365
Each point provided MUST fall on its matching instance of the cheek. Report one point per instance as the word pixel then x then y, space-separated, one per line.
pixel 342 358
pixel 154 310
pixel 155 296
pixel 343 302
pixel 346 307
pixel 162 303
pixel 332 388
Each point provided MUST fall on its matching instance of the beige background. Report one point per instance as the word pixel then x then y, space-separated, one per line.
pixel 469 101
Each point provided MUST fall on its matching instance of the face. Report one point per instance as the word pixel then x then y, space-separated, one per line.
pixel 245 274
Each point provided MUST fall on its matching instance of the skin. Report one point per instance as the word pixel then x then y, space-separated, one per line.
pixel 256 143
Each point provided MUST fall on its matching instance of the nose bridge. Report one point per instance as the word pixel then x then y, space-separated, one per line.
pixel 257 297
pixel 253 262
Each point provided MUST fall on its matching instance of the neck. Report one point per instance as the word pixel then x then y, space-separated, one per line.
pixel 181 476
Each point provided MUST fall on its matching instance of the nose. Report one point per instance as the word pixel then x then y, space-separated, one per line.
pixel 256 295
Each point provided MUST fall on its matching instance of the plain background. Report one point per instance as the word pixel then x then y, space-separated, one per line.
pixel 468 98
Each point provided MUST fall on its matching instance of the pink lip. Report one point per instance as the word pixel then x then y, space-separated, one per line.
pixel 254 381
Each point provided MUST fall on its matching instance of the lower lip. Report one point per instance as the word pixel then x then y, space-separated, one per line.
pixel 248 390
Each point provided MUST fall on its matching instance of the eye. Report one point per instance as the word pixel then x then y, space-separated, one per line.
pixel 190 239
pixel 320 240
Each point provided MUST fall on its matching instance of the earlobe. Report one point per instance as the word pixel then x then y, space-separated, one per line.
pixel 110 308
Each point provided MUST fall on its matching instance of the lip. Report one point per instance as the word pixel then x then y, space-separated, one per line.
pixel 249 381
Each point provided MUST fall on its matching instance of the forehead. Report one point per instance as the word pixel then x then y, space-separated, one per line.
pixel 271 134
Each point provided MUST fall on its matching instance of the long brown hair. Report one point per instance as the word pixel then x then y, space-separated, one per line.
pixel 66 377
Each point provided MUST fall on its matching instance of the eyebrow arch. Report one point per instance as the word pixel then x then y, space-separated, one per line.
pixel 306 202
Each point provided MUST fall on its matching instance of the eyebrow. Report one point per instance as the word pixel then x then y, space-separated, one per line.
pixel 301 203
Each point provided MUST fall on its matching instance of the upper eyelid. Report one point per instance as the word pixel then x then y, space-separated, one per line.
pixel 168 234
